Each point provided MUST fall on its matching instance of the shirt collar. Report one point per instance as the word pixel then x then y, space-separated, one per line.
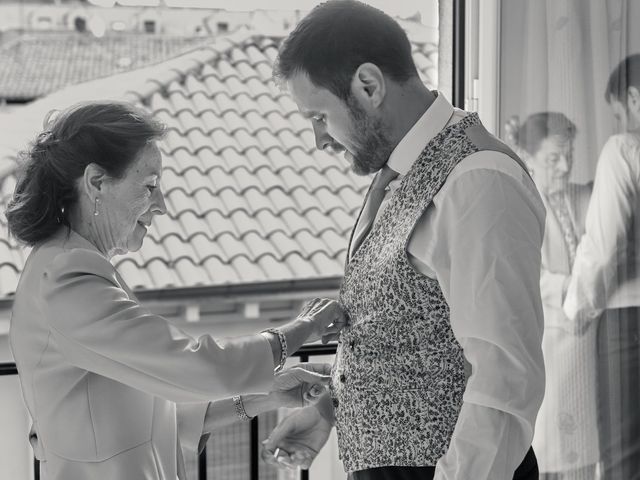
pixel 432 121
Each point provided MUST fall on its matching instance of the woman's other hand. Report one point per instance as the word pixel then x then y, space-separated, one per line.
pixel 301 385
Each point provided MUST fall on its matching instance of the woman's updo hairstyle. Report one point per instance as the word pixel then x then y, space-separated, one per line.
pixel 108 134
pixel 539 126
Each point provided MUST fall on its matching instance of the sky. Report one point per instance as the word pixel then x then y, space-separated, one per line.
pixel 401 8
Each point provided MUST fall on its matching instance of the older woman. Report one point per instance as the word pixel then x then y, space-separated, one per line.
pixel 566 438
pixel 113 390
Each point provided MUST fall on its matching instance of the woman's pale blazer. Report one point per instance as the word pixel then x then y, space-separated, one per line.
pixel 114 391
pixel 566 434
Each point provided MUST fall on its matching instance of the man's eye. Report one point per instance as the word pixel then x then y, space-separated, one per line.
pixel 152 187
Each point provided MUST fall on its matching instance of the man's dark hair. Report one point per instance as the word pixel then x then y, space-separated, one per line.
pixel 625 75
pixel 338 36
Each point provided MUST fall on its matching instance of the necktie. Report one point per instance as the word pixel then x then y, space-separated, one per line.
pixel 371 206
pixel 561 212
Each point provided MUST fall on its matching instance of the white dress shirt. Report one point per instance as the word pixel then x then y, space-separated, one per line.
pixel 597 282
pixel 481 240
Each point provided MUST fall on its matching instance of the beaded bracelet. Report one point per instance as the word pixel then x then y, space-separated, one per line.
pixel 283 346
pixel 240 411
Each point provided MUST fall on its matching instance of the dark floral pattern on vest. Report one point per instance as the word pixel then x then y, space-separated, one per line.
pixel 398 378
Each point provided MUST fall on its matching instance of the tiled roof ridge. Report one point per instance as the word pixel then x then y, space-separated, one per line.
pixel 233 147
pixel 200 113
pixel 177 69
pixel 207 171
pixel 259 188
pixel 228 259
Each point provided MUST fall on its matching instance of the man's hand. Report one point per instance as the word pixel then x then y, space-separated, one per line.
pixel 297 439
pixel 301 385
pixel 582 323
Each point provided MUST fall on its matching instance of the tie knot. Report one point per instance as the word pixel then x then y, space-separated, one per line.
pixel 384 178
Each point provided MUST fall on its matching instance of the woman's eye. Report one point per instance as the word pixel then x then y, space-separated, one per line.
pixel 319 118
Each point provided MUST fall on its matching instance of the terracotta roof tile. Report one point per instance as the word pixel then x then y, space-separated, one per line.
pixel 248 270
pixel 271 223
pixel 285 244
pixel 321 222
pixel 301 267
pixel 295 221
pixel 323 263
pixel 245 222
pixel 250 199
pixel 277 269
pixel 219 224
pixel 35 64
pixel 137 278
pixel 220 272
pixel 162 275
pixel 190 274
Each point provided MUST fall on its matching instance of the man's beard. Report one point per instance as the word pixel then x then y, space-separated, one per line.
pixel 373 144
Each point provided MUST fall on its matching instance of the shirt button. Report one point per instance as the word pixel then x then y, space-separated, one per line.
pixel 335 402
pixel 342 378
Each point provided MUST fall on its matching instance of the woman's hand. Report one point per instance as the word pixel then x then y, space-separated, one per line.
pixel 297 439
pixel 327 319
pixel 301 385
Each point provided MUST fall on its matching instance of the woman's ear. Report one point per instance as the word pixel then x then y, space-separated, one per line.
pixel 93 180
pixel 368 85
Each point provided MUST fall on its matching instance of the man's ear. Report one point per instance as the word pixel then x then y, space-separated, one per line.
pixel 93 180
pixel 368 85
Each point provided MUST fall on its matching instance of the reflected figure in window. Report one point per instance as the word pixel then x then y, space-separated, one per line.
pixel 566 437
pixel 605 283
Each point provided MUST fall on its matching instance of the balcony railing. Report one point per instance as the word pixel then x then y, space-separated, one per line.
pixel 304 354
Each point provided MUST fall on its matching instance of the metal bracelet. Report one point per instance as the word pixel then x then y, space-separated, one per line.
pixel 240 411
pixel 283 347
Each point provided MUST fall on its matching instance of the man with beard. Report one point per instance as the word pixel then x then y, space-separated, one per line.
pixel 443 267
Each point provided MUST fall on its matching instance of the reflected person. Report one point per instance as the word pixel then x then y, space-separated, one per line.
pixel 114 391
pixel 566 434
pixel 605 281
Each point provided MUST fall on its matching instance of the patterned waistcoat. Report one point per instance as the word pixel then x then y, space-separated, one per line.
pixel 398 377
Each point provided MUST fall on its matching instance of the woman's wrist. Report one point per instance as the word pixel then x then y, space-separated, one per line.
pixel 255 404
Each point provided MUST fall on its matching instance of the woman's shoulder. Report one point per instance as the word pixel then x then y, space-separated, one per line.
pixel 66 254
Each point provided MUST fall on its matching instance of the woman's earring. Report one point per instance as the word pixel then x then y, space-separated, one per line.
pixel 95 207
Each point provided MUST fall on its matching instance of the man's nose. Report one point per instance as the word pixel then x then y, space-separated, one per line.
pixel 323 139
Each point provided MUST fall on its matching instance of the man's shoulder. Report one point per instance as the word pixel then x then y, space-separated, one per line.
pixel 625 144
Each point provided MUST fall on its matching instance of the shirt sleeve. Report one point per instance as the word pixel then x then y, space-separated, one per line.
pixel 488 263
pixel 100 329
pixel 594 274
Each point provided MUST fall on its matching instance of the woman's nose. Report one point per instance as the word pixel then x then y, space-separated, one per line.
pixel 159 207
